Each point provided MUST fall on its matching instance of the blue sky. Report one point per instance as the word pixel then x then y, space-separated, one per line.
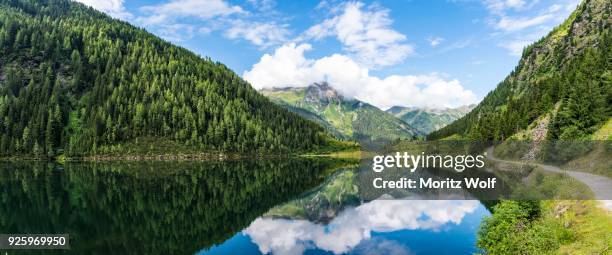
pixel 390 52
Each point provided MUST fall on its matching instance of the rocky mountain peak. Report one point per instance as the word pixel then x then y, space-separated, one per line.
pixel 323 93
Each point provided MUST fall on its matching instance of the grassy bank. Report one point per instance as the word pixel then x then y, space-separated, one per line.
pixel 546 227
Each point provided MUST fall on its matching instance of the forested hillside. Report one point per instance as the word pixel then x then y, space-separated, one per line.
pixel 567 73
pixel 75 81
pixel 344 117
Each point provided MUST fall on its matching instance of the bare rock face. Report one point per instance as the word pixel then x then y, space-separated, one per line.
pixel 538 134
pixel 323 94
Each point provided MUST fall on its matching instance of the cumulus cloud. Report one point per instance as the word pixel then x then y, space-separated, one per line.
pixel 188 8
pixel 215 15
pixel 263 34
pixel 355 225
pixel 114 8
pixel 288 67
pixel 169 19
pixel 365 33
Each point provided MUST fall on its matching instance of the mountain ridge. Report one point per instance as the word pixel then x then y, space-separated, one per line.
pixel 351 118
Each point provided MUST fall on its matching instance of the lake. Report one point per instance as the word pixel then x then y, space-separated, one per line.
pixel 279 206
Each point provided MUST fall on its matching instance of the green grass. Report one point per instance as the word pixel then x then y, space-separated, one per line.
pixel 546 227
pixel 288 210
pixel 549 185
pixel 337 148
pixel 290 97
pixel 454 137
pixel 603 133
pixel 340 118
pixel 512 149
pixel 531 182
pixel 598 161
pixel 590 225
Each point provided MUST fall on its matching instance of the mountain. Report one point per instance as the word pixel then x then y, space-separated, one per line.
pixel 564 78
pixel 77 82
pixel 427 120
pixel 347 118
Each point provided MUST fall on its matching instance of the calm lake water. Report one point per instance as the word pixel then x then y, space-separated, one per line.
pixel 297 206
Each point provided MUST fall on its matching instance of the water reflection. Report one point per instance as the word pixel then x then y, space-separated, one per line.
pixel 334 219
pixel 248 206
pixel 148 207
pixel 353 228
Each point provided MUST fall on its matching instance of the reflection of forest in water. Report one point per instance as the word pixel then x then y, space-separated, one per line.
pixel 148 207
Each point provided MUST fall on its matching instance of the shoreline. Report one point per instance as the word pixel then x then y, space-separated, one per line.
pixel 207 156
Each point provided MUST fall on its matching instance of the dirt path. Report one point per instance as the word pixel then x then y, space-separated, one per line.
pixel 600 185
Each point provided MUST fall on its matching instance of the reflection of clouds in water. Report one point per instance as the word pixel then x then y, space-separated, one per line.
pixel 352 226
pixel 380 246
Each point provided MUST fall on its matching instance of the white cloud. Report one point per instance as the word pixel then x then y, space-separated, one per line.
pixel 263 5
pixel 434 41
pixel 288 66
pixel 502 5
pixel 188 8
pixel 205 30
pixel 355 225
pixel 510 24
pixel 379 246
pixel 259 33
pixel 365 33
pixel 514 30
pixel 217 15
pixel 516 45
pixel 114 8
pixel 554 8
pixel 176 32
